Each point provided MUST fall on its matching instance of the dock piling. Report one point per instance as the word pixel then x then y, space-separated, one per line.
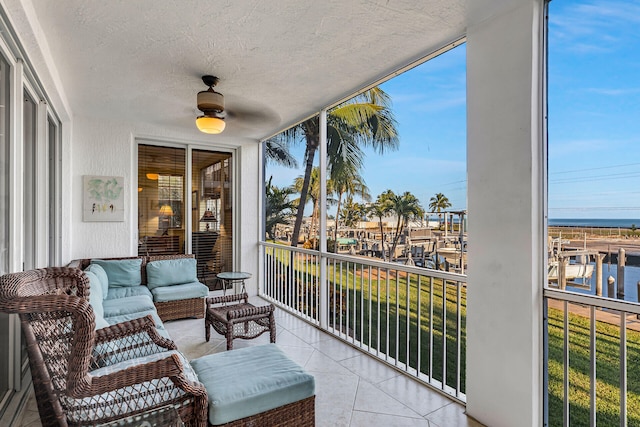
pixel 611 282
pixel 599 258
pixel 621 265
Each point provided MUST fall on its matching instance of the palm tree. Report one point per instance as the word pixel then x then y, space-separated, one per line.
pixel 278 207
pixel 406 207
pixel 352 212
pixel 346 180
pixel 365 120
pixel 277 151
pixel 314 195
pixel 380 209
pixel 439 202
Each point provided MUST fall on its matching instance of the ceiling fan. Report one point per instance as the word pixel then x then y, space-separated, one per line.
pixel 211 103
pixel 242 114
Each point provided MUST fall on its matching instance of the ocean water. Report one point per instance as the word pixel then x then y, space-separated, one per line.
pixel 594 222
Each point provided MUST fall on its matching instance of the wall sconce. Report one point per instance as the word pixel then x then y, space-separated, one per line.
pixel 153 176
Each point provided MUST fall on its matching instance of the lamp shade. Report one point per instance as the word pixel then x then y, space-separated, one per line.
pixel 166 210
pixel 208 216
pixel 208 124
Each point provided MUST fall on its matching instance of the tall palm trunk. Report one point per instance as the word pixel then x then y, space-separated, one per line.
pixel 335 232
pixel 315 221
pixel 399 229
pixel 313 142
pixel 384 255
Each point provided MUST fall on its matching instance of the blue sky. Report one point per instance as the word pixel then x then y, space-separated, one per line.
pixel 594 109
pixel 594 120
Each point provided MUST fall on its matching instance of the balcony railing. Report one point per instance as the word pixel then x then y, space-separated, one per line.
pixel 593 360
pixel 412 318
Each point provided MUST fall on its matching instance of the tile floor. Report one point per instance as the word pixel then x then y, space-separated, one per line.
pixel 352 389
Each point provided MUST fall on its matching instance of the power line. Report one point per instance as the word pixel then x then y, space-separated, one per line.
pixel 599 208
pixel 597 178
pixel 598 168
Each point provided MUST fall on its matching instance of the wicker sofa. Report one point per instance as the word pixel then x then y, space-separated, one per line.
pixel 177 306
pixel 87 375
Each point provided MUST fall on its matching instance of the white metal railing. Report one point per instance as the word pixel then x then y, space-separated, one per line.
pixel 590 342
pixel 409 317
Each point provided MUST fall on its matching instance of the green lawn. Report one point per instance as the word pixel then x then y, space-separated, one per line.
pixel 357 305
pixel 381 314
pixel 607 372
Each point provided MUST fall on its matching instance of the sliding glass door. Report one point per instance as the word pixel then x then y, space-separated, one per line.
pixel 161 200
pixel 166 193
pixel 6 344
pixel 212 219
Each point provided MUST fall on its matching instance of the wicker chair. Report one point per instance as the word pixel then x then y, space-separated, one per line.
pixel 84 377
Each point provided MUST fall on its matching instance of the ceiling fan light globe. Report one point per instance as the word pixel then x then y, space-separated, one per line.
pixel 211 125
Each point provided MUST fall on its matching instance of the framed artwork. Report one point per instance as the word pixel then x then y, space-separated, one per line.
pixel 102 198
pixel 194 200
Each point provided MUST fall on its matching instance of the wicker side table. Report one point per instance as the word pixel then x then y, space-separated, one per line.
pixel 234 317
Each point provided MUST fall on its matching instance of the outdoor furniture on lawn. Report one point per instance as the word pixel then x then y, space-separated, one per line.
pixel 231 317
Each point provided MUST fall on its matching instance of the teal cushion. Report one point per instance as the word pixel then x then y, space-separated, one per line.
pixel 102 275
pixel 121 272
pixel 120 366
pixel 119 404
pixel 269 379
pixel 134 304
pixel 95 299
pixel 101 322
pixel 169 272
pixel 178 292
pixel 112 320
pixel 95 293
pixel 129 291
pixel 163 332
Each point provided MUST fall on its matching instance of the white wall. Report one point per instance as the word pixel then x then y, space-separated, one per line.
pixel 506 206
pixel 102 147
pixel 249 196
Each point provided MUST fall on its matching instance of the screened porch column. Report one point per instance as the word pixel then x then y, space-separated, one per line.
pixel 506 206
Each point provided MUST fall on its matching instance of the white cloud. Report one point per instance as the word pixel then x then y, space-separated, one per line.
pixel 598 21
pixel 613 92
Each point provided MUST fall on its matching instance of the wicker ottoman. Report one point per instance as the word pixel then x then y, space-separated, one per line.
pixel 233 317
pixel 256 386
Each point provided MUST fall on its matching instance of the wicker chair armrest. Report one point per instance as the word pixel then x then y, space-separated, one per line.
pixel 170 366
pixel 143 325
pixel 227 298
pixel 126 341
pixel 250 311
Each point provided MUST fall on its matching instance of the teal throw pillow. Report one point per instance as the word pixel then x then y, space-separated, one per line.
pixel 102 276
pixel 121 272
pixel 169 272
pixel 95 299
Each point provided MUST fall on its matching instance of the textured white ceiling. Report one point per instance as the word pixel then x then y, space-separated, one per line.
pixel 278 61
